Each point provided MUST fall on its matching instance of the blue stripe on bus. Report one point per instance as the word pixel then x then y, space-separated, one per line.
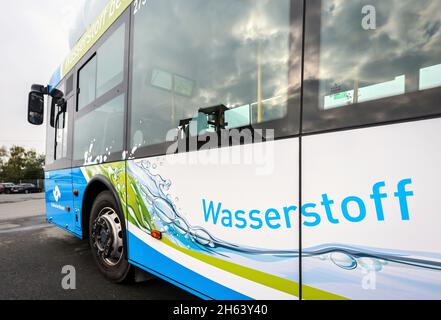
pixel 142 255
pixel 55 80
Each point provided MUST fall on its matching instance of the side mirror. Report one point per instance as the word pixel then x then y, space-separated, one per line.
pixel 36 104
pixel 36 108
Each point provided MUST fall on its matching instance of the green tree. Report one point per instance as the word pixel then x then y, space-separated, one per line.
pixel 14 167
pixel 22 164
pixel 34 166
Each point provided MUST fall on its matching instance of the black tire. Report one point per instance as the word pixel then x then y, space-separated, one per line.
pixel 122 270
pixel 7 192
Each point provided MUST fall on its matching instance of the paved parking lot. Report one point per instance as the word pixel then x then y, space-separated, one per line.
pixel 13 206
pixel 33 253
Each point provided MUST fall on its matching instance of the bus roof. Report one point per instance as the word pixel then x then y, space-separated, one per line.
pixel 110 13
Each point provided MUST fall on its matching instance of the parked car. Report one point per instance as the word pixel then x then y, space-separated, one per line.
pixel 7 187
pixel 25 188
pixel 2 189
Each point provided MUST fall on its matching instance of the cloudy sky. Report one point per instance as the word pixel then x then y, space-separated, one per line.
pixel 34 41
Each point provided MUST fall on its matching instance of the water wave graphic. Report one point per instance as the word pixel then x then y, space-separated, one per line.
pixel 165 216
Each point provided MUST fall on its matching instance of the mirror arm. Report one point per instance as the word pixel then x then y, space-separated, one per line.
pixel 39 89
pixel 54 93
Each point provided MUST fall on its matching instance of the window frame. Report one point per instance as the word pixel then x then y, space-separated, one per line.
pixel 51 137
pixel 78 91
pixel 118 90
pixel 292 120
pixel 65 162
pixel 410 106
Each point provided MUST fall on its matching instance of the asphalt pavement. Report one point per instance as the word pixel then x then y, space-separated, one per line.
pixel 15 206
pixel 33 254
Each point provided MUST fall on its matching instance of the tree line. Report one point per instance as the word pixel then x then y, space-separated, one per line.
pixel 18 164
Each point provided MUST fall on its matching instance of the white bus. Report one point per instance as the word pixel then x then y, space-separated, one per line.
pixel 254 149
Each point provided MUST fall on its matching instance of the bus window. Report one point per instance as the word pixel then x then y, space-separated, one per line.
pixel 110 67
pixel 50 137
pixel 87 84
pixel 100 133
pixel 99 128
pixel 50 133
pixel 104 71
pixel 62 135
pixel 371 61
pixel 195 54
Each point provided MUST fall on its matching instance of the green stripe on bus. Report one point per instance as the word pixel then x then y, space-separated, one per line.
pixel 263 278
pixel 310 293
pixel 268 280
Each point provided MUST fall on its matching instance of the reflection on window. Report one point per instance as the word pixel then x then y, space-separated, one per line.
pixel 62 136
pixel 104 71
pixel 430 77
pixel 50 131
pixel 185 58
pixel 100 133
pixel 369 93
pixel 238 117
pixel 400 56
pixel 111 62
pixel 87 84
pixel 50 136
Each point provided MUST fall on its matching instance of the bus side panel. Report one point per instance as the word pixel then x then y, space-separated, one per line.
pixel 80 181
pixel 114 173
pixel 59 199
pixel 371 220
pixel 229 220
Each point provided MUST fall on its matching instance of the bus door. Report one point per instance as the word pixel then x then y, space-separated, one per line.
pixel 59 189
pixel 59 205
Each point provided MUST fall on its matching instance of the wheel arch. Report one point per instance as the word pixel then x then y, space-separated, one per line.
pixel 96 186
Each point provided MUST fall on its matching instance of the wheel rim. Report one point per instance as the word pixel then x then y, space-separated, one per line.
pixel 107 236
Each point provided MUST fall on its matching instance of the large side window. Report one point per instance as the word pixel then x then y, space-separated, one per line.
pixel 87 84
pixel 104 71
pixel 100 117
pixel 371 61
pixel 196 54
pixel 100 133
pixel 110 66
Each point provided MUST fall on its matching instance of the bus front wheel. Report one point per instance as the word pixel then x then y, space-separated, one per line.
pixel 106 237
